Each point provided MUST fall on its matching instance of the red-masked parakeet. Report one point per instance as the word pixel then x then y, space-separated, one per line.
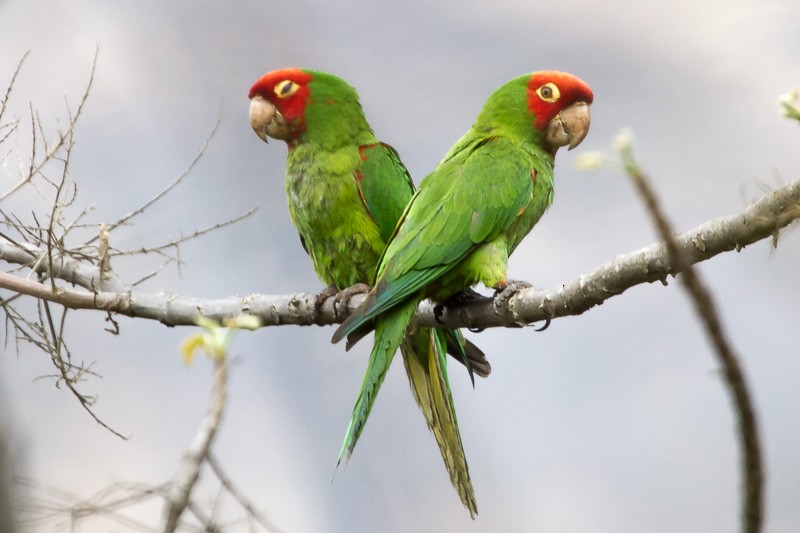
pixel 467 217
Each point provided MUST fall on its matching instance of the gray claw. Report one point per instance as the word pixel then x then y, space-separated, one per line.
pixel 503 293
pixel 342 300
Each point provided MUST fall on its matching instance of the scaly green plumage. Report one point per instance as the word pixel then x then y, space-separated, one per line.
pixel 467 217
pixel 332 212
pixel 346 191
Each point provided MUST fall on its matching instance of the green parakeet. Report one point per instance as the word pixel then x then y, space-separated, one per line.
pixel 346 191
pixel 468 216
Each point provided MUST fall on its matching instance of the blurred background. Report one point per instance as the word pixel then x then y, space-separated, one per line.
pixel 614 421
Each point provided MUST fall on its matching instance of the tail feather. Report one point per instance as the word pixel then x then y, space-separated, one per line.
pixel 359 333
pixel 424 355
pixel 477 359
pixel 362 321
pixel 375 304
pixel 390 330
pixel 461 349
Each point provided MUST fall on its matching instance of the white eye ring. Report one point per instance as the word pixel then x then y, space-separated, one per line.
pixel 285 88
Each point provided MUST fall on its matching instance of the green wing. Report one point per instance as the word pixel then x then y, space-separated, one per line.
pixel 384 184
pixel 467 201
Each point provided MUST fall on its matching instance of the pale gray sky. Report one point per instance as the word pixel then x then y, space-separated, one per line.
pixel 612 421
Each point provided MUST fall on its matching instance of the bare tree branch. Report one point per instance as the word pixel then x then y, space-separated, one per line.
pixel 47 169
pixel 752 462
pixel 762 219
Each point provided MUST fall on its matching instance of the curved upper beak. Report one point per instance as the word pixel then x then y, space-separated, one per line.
pixel 266 120
pixel 570 126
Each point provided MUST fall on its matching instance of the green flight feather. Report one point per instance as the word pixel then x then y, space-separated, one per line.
pixel 424 356
pixel 378 181
pixel 438 236
pixel 389 333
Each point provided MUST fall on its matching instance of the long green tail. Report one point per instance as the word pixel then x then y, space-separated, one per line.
pixel 424 354
pixel 390 329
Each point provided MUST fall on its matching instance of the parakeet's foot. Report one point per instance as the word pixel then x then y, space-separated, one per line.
pixel 504 291
pixel 320 298
pixel 342 299
pixel 467 296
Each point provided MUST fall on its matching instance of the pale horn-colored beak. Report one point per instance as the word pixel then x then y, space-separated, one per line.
pixel 570 126
pixel 266 120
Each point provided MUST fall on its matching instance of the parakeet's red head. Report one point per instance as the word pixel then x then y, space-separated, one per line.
pixel 278 102
pixel 547 108
pixel 550 91
pixel 560 102
pixel 300 106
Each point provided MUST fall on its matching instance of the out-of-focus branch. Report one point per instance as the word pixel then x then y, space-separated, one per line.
pixel 111 503
pixel 215 343
pixel 752 463
pixel 762 219
pixel 239 497
pixel 189 468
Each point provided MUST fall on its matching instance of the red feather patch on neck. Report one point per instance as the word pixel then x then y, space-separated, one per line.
pixel 572 89
pixel 293 107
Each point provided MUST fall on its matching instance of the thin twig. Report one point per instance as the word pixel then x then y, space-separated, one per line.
pixel 11 128
pixel 752 463
pixel 153 273
pixel 141 209
pixel 194 235
pixel 10 86
pixel 55 213
pixel 64 368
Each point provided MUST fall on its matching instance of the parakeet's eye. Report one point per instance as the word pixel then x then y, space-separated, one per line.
pixel 286 88
pixel 548 92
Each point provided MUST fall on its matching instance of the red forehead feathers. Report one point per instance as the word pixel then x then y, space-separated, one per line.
pixel 265 84
pixel 571 88
pixel 293 107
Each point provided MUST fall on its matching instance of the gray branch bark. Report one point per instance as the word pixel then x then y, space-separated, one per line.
pixel 103 290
